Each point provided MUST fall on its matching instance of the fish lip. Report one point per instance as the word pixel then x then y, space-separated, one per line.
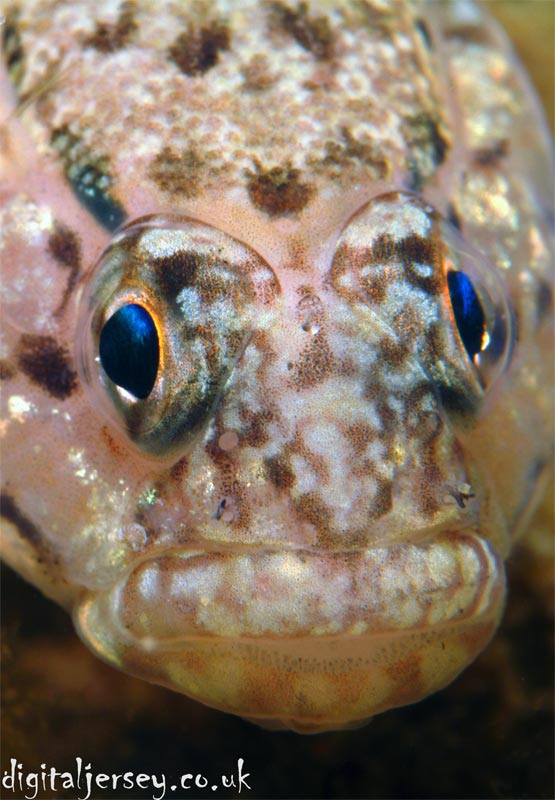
pixel 425 537
pixel 444 581
pixel 306 680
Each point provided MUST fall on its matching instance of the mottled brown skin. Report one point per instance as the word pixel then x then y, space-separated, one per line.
pixel 317 572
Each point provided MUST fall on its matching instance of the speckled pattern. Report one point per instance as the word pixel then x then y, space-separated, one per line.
pixel 214 60
pixel 332 498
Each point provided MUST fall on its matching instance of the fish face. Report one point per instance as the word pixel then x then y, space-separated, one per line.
pixel 315 502
pixel 277 340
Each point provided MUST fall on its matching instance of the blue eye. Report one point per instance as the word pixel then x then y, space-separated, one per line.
pixel 468 312
pixel 129 350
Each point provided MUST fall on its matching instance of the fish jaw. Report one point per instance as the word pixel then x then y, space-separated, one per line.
pixel 300 639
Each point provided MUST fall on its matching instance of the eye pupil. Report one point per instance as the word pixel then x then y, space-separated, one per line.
pixel 129 350
pixel 468 312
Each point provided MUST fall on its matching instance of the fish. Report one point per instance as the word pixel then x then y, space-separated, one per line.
pixel 277 340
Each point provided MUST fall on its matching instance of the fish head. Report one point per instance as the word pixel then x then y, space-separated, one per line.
pixel 275 319
pixel 306 537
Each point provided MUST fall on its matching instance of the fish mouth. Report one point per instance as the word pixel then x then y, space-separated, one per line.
pixel 302 639
pixel 264 592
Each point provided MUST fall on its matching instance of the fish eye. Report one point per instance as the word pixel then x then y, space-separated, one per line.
pixel 468 312
pixel 481 318
pixel 129 350
pixel 432 292
pixel 166 313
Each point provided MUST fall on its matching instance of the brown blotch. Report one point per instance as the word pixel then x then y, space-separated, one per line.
pixel 372 389
pixel 315 364
pixel 422 390
pixel 65 247
pixel 255 432
pixel 412 250
pixel 433 339
pixel 7 370
pixel 317 463
pixel 235 501
pixel 27 529
pixel 109 38
pixel 314 34
pixel 278 191
pixel 177 271
pixel 180 470
pixel 427 495
pixel 431 483
pixel 340 153
pixel 352 260
pixel 392 352
pixel 257 74
pixel 456 401
pixel 407 675
pixel 280 472
pixel 297 256
pixel 188 268
pixel 359 435
pixel 383 249
pixel 491 156
pixel 198 49
pixel 415 249
pixel 312 508
pixel 178 173
pixel 47 364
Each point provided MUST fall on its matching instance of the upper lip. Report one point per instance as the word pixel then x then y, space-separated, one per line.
pixel 252 592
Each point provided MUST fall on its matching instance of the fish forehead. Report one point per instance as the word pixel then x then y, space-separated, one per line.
pixel 278 125
pixel 324 88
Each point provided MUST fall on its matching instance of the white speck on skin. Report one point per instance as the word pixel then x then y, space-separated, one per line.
pixel 19 407
pixel 190 304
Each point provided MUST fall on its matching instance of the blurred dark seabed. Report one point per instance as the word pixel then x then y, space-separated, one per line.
pixel 489 735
